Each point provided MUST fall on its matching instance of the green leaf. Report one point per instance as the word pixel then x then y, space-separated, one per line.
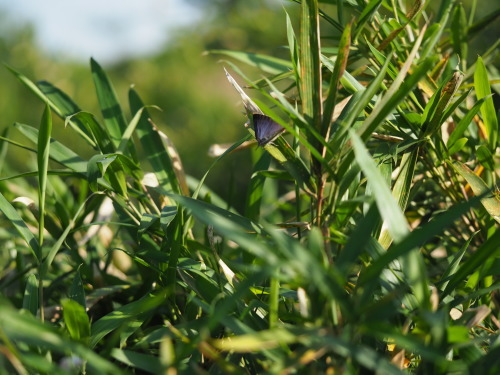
pixel 21 227
pixel 26 329
pixel 114 120
pixel 161 160
pixel 412 263
pixel 454 264
pixel 148 363
pixel 310 68
pixel 57 151
pixel 256 188
pixel 64 106
pixel 457 146
pixel 43 164
pixel 433 34
pixel 99 134
pixel 30 300
pixel 416 239
pixel 489 250
pixel 112 321
pixel 267 64
pixel 76 320
pixel 368 12
pixel 76 291
pixel 57 245
pixel 338 71
pixel 483 90
pixel 459 29
pixel 464 123
pixel 490 202
pixel 485 157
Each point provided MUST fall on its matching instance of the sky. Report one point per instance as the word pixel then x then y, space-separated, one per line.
pixel 105 29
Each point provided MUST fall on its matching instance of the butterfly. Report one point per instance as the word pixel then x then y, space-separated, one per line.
pixel 266 129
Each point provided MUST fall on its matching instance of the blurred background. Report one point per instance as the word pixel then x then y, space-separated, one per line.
pixel 159 47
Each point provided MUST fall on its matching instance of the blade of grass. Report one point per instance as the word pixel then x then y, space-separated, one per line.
pixel 338 71
pixel 64 106
pixel 76 320
pixel 30 300
pixel 114 120
pixel 57 151
pixel 416 239
pixel 397 225
pixel 21 227
pixel 267 64
pixel 43 164
pixel 23 328
pixel 489 250
pixel 120 316
pixel 368 12
pixel 158 155
pixel 490 202
pixel 483 90
pixel 464 123
pixel 310 70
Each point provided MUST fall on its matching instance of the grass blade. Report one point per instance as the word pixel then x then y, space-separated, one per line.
pixel 483 90
pixel 310 70
pixel 76 320
pixel 114 120
pixel 158 155
pixel 43 165
pixel 338 71
pixel 57 151
pixel 489 250
pixel 490 202
pixel 25 329
pixel 21 227
pixel 397 225
pixel 30 300
pixel 267 64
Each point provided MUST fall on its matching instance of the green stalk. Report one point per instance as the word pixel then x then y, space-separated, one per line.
pixel 310 87
pixel 43 164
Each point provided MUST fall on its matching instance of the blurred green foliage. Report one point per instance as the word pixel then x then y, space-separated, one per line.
pixel 199 107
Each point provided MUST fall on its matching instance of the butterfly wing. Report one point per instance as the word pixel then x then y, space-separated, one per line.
pixel 266 129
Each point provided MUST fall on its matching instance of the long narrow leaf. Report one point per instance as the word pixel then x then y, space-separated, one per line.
pixel 43 165
pixel 488 112
pixel 18 223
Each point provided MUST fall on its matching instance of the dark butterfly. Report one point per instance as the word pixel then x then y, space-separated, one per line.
pixel 266 129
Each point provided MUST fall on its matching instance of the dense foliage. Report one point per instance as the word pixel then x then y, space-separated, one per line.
pixel 368 241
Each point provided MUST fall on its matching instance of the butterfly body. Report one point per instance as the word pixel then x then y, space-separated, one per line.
pixel 266 129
